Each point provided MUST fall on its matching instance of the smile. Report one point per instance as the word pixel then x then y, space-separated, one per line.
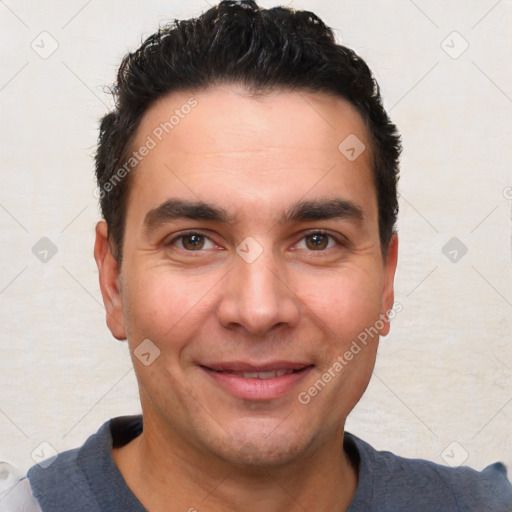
pixel 263 375
pixel 265 382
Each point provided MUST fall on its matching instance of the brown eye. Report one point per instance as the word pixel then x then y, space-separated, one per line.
pixel 192 242
pixel 317 241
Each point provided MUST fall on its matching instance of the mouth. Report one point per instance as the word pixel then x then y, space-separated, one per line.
pixel 257 382
pixel 263 375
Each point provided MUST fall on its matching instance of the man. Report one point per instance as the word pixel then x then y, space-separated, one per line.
pixel 247 179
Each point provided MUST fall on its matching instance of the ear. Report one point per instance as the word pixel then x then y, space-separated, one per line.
pixel 388 291
pixel 109 275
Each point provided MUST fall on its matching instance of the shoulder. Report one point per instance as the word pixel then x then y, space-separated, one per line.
pixel 421 484
pixel 55 471
pixel 84 479
pixel 61 484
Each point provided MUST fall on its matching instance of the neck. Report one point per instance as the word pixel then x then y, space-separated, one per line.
pixel 162 469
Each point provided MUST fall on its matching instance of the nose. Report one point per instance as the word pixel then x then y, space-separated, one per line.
pixel 257 298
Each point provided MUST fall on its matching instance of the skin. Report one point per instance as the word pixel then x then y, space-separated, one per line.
pixel 203 447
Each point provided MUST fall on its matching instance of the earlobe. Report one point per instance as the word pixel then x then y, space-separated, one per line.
pixel 109 277
pixel 388 292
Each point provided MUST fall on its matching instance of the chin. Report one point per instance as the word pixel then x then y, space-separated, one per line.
pixel 262 454
pixel 257 446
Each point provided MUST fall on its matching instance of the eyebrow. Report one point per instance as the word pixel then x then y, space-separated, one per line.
pixel 174 209
pixel 319 209
pixel 325 209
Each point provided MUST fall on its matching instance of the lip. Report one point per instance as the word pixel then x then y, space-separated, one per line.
pixel 243 366
pixel 255 388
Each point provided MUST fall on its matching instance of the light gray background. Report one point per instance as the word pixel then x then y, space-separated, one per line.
pixel 444 374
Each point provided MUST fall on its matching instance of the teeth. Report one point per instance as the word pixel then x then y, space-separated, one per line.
pixel 264 375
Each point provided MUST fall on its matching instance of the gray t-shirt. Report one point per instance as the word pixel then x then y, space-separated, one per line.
pixel 86 479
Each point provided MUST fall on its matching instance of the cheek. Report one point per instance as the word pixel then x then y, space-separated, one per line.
pixel 344 307
pixel 347 301
pixel 159 304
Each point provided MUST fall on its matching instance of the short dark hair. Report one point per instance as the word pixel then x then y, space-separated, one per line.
pixel 261 49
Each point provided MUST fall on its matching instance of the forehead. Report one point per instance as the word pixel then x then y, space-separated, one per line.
pixel 224 142
pixel 227 117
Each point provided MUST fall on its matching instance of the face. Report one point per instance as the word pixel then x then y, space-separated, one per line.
pixel 251 261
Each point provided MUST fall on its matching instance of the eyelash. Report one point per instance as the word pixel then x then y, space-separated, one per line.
pixel 339 240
